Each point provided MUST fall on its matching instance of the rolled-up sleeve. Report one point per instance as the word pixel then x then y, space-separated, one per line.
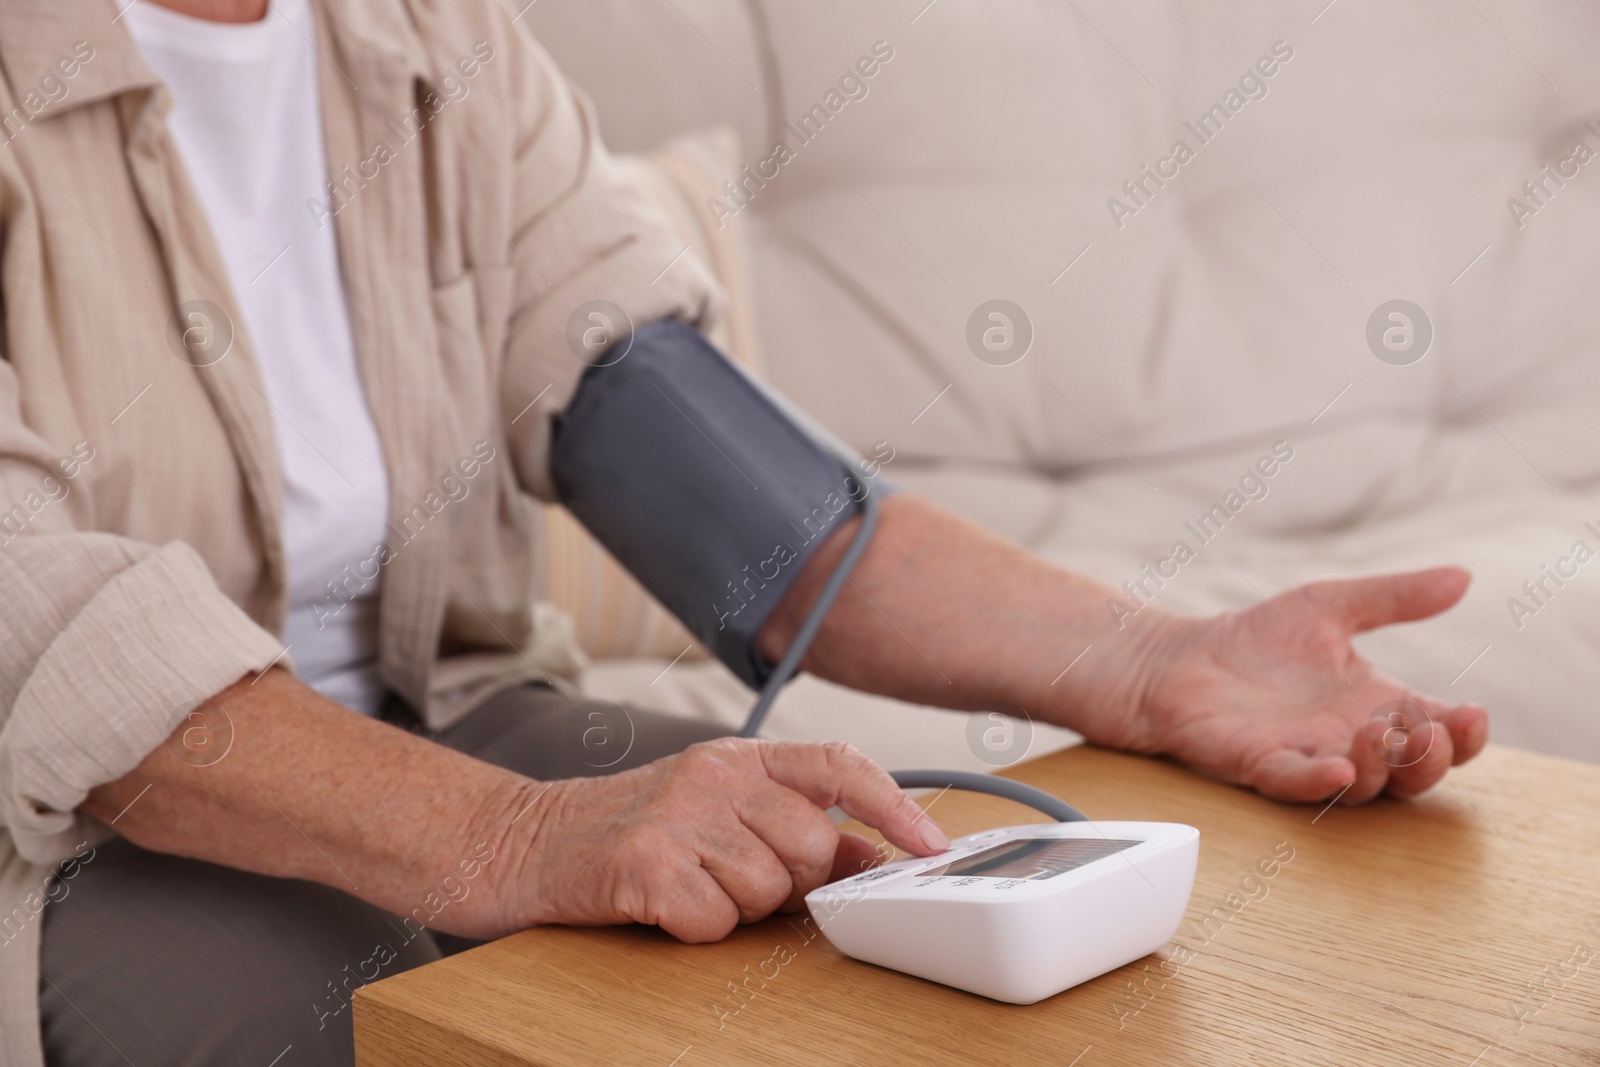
pixel 581 233
pixel 106 645
pixel 138 637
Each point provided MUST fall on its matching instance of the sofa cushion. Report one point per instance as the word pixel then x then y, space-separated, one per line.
pixel 979 162
pixel 1235 300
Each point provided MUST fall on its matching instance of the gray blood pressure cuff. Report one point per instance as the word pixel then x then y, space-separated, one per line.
pixel 704 486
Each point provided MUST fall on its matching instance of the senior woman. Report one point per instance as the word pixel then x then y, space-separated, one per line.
pixel 285 297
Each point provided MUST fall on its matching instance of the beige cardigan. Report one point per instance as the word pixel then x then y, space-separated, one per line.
pixel 141 560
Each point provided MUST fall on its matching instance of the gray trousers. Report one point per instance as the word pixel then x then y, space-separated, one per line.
pixel 156 960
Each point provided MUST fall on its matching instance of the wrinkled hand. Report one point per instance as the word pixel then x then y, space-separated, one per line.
pixel 1276 698
pixel 726 832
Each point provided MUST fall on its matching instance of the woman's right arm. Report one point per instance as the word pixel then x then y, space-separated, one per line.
pixel 727 831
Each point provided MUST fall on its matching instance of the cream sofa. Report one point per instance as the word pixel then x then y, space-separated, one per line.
pixel 1177 337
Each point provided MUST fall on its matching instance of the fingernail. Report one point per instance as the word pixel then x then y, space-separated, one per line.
pixel 933 837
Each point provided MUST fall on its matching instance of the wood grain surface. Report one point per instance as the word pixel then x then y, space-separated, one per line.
pixel 1459 929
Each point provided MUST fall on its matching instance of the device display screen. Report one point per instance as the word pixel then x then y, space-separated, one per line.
pixel 1034 858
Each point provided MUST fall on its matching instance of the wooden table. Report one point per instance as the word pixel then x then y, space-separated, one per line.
pixel 1398 933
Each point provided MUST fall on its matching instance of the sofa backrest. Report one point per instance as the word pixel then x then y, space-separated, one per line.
pixel 1336 160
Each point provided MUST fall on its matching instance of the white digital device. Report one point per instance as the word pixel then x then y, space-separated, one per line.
pixel 1021 913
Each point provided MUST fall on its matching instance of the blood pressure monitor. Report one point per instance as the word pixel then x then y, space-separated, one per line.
pixel 1017 914
pixel 1021 913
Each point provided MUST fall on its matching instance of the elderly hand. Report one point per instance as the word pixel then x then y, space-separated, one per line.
pixel 725 832
pixel 1276 698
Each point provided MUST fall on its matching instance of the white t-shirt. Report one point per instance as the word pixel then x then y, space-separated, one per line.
pixel 247 123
